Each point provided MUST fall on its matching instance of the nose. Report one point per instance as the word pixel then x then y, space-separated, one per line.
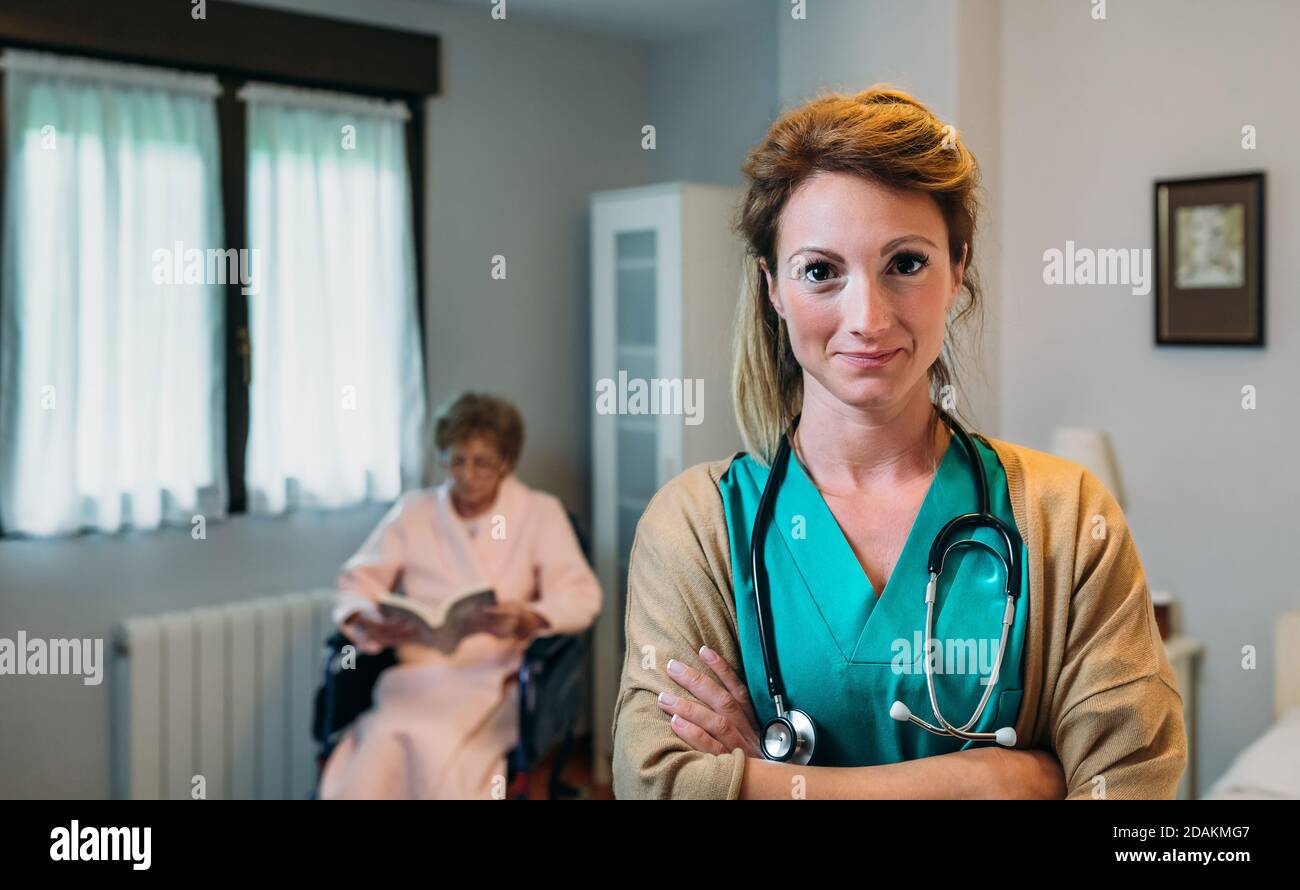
pixel 866 308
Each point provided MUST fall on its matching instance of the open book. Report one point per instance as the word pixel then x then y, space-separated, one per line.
pixel 445 623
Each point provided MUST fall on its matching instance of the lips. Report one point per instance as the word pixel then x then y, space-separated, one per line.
pixel 870 359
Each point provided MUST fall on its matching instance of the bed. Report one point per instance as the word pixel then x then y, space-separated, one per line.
pixel 1270 766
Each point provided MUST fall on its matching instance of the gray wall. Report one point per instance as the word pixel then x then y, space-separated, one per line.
pixel 532 119
pixel 712 97
pixel 1095 112
pixel 848 45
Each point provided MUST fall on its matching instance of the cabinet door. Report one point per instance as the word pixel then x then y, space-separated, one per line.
pixel 635 451
pixel 629 286
pixel 637 341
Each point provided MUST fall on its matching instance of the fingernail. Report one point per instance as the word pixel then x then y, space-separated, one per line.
pixel 677 721
pixel 668 698
pixel 675 667
pixel 707 654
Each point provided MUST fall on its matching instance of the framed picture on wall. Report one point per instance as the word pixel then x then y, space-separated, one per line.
pixel 1209 235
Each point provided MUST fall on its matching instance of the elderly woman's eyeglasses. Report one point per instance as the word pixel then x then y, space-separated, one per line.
pixel 477 464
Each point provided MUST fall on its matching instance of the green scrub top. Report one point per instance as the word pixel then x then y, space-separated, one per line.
pixel 845 655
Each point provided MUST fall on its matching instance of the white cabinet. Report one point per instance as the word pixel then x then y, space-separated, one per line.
pixel 665 276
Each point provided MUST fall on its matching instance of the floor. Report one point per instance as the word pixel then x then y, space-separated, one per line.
pixel 576 773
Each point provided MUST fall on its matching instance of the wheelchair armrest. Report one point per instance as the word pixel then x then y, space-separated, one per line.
pixel 547 649
pixel 344 694
pixel 549 693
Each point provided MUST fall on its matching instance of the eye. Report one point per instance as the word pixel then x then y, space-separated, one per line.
pixel 813 268
pixel 910 263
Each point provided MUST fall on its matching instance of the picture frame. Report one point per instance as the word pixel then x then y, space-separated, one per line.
pixel 1209 264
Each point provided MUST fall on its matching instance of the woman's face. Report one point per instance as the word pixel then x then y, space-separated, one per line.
pixel 476 467
pixel 862 270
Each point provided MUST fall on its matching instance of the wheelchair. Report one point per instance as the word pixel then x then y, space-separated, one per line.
pixel 550 694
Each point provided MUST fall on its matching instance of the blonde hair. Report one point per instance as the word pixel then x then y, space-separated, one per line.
pixel 882 134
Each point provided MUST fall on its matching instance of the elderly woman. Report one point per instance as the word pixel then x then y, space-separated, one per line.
pixel 442 723
pixel 871 602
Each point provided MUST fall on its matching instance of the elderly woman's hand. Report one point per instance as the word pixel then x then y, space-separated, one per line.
pixel 723 718
pixel 509 620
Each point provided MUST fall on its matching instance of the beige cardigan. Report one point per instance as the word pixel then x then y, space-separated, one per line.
pixel 1099 691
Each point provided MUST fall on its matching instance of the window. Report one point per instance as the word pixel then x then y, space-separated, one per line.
pixel 337 394
pixel 118 293
pixel 110 384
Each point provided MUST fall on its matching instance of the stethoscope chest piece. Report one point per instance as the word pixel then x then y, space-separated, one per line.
pixel 790 738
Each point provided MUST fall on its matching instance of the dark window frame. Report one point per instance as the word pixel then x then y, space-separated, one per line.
pixel 237 44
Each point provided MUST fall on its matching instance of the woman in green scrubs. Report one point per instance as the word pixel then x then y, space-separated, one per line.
pixel 847 652
pixel 860 227
pixel 859 224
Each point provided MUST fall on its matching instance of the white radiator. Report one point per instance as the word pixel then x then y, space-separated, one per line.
pixel 223 693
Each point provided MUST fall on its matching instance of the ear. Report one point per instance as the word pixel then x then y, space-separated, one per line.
pixel 958 270
pixel 771 287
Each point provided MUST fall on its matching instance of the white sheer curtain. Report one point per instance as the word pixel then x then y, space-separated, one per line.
pixel 111 388
pixel 337 396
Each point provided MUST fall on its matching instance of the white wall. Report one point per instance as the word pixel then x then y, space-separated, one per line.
pixel 1094 113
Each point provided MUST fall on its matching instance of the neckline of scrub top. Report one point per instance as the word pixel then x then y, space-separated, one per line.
pixel 831 571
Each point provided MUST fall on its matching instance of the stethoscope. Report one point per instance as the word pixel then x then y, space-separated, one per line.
pixel 791 736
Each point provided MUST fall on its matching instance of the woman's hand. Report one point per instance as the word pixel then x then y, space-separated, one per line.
pixel 723 718
pixel 509 620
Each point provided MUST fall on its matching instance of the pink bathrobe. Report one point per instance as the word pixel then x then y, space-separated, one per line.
pixel 441 725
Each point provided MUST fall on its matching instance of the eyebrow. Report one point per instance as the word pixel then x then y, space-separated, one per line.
pixel 901 239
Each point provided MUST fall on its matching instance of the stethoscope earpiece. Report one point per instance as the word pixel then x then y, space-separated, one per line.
pixel 1006 736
